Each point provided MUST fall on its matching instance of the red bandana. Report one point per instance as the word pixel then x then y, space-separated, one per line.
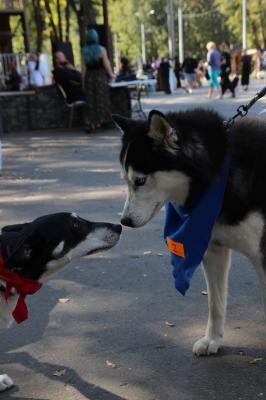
pixel 23 287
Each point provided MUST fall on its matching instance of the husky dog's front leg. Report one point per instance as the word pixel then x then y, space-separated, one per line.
pixel 216 266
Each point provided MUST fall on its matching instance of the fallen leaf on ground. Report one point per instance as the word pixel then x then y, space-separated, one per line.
pixel 147 253
pixel 63 301
pixel 110 364
pixel 169 324
pixel 60 372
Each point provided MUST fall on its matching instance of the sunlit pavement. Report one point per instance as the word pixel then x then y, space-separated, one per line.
pixel 125 333
pixel 180 100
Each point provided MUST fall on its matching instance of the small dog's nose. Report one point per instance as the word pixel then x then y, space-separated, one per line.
pixel 117 228
pixel 127 222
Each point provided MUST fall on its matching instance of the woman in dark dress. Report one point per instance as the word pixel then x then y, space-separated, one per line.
pixel 95 69
pixel 164 74
pixel 245 70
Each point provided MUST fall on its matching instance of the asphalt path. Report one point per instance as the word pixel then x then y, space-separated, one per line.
pixel 125 333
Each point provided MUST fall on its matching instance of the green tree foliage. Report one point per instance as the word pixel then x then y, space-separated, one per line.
pixel 204 20
pixel 125 20
pixel 256 14
pixel 55 21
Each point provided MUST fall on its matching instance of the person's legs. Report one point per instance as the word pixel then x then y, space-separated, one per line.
pixel 212 84
pixel 189 80
pixel 216 82
pixel 223 84
pixel 227 84
pixel 178 81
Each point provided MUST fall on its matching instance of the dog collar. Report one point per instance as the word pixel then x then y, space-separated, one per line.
pixel 23 287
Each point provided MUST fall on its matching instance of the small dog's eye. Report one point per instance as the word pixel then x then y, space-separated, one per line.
pixel 75 224
pixel 140 181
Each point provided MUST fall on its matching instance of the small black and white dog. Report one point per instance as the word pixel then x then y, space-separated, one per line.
pixel 176 157
pixel 31 252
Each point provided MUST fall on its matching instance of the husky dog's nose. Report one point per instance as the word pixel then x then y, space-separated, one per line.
pixel 127 222
pixel 117 228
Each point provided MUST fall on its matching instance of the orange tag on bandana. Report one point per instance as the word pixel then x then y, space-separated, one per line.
pixel 175 247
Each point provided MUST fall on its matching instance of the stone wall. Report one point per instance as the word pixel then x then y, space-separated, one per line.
pixel 44 109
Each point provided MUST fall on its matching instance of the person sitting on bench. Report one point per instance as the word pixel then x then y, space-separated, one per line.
pixel 68 78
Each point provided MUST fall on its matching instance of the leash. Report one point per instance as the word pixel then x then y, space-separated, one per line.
pixel 243 109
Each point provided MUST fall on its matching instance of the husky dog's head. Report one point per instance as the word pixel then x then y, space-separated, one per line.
pixel 171 157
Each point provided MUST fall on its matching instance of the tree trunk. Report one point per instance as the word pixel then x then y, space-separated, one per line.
pixel 67 16
pixel 54 35
pixel 262 24
pixel 38 23
pixel 255 34
pixel 59 20
pixel 87 18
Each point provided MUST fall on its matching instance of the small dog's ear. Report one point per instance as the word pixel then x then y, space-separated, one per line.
pixel 27 242
pixel 121 122
pixel 22 253
pixel 14 228
pixel 161 131
pixel 26 251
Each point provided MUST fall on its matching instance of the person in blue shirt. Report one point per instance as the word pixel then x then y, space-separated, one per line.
pixel 214 69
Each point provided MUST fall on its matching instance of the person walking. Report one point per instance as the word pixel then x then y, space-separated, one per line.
pixel 214 69
pixel 164 75
pixel 245 69
pixel 226 84
pixel 95 67
pixel 189 67
pixel 177 71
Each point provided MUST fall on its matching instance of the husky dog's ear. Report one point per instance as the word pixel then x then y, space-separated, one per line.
pixel 161 130
pixel 121 122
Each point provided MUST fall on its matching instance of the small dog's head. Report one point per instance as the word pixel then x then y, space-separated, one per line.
pixel 45 245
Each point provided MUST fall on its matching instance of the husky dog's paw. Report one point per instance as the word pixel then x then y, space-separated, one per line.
pixel 5 382
pixel 206 346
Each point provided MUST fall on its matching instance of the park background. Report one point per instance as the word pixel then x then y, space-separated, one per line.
pixel 64 21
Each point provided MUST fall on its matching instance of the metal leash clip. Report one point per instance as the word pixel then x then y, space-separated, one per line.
pixel 244 108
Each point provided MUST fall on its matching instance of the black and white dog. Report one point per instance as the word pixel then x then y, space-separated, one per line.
pixel 175 157
pixel 33 251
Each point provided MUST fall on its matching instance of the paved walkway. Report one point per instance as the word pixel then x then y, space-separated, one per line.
pixel 125 334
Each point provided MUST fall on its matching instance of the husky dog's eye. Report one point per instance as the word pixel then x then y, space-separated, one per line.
pixel 140 181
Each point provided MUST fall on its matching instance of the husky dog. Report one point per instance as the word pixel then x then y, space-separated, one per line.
pixel 176 157
pixel 33 251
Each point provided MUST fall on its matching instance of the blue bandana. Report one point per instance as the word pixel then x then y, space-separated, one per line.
pixel 187 231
